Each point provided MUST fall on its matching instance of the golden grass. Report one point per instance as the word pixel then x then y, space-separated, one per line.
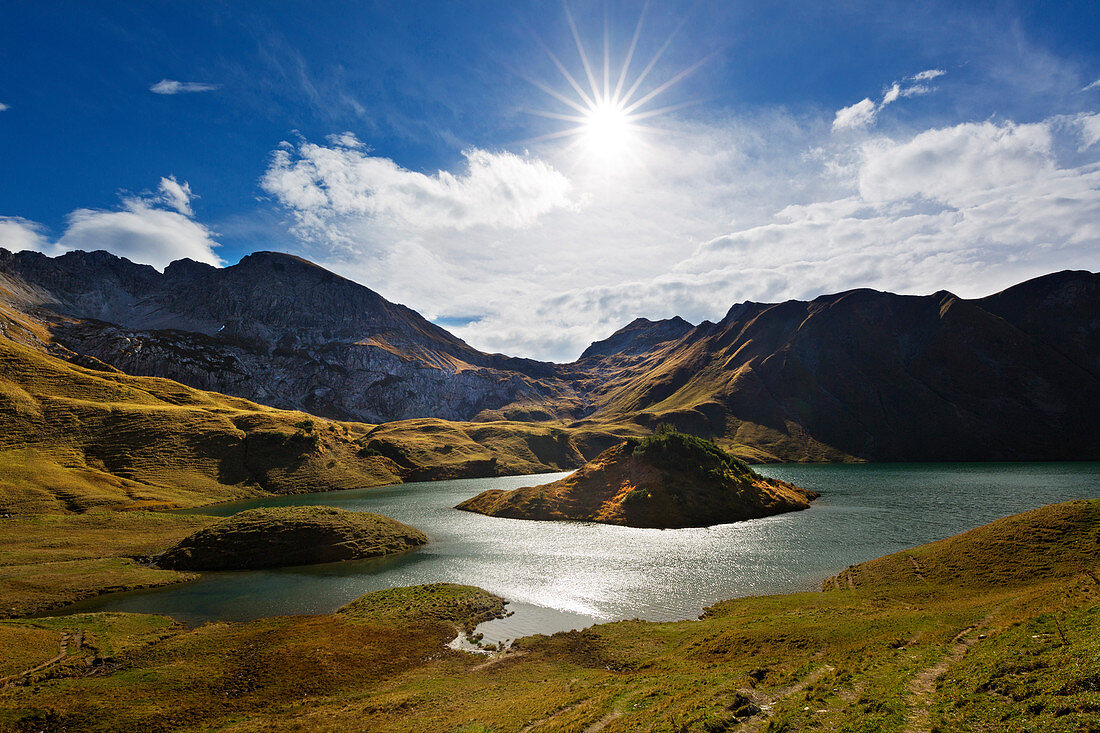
pixel 843 660
pixel 72 439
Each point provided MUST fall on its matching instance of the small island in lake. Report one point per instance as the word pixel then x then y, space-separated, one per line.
pixel 668 480
pixel 282 536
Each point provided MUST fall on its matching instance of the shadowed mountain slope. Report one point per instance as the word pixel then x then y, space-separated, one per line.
pixel 887 377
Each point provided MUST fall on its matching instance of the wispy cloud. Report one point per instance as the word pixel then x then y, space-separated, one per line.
pixel 4 107
pixel 170 86
pixel 1094 85
pixel 153 229
pixel 862 114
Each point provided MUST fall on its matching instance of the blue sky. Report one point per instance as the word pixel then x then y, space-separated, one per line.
pixel 400 144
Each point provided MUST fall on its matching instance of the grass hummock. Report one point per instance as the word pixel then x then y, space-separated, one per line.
pixel 282 536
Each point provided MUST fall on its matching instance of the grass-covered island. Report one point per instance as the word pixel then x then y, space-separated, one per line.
pixel 281 536
pixel 666 480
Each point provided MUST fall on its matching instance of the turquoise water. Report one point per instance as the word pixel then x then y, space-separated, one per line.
pixel 560 575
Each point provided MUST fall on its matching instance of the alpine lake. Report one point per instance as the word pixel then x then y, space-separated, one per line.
pixel 563 575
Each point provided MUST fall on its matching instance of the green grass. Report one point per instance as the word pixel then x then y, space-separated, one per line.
pixel 462 606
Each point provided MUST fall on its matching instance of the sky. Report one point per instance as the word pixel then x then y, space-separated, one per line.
pixel 534 175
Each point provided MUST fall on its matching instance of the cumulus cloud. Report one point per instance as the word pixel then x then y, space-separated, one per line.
pixel 171 86
pixel 328 186
pixel 153 229
pixel 862 114
pixel 953 165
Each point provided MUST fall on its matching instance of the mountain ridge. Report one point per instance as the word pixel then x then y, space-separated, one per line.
pixel 861 374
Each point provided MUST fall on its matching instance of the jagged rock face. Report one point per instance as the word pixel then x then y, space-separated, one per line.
pixel 279 330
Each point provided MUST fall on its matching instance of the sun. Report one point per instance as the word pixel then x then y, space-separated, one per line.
pixel 607 116
pixel 607 130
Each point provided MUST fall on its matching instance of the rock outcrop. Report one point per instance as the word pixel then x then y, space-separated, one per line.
pixel 283 536
pixel 665 481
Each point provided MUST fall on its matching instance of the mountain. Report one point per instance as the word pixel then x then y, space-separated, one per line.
pixel 638 337
pixel 855 375
pixel 1013 376
pixel 275 329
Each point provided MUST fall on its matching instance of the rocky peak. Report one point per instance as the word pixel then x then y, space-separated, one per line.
pixel 639 336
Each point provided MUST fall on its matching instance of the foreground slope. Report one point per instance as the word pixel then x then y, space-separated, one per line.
pixel 973 645
pixel 663 481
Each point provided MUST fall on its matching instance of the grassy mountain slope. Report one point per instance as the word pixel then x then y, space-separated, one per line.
pixel 978 647
pixel 73 438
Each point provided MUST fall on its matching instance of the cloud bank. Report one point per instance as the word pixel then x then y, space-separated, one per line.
pixel 153 229
pixel 535 262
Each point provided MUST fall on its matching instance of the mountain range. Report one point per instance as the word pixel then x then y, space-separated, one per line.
pixel 855 375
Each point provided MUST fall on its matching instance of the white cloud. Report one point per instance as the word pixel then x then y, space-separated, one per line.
pixel 4 107
pixel 1094 85
pixel 970 208
pixel 762 207
pixel 18 234
pixel 955 164
pixel 170 86
pixel 176 195
pixel 142 230
pixel 927 75
pixel 1090 130
pixel 327 187
pixel 860 114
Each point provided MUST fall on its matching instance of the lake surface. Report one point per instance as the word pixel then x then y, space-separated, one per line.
pixel 560 575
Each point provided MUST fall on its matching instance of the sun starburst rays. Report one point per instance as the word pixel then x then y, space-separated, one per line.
pixel 606 115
